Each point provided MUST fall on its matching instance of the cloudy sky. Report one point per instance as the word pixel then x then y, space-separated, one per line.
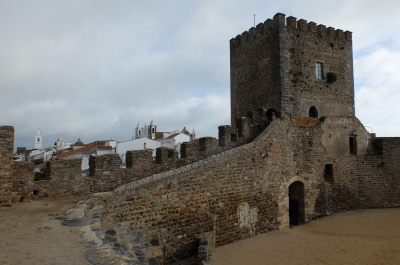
pixel 93 68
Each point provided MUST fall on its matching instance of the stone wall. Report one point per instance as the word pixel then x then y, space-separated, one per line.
pixel 6 157
pixel 246 130
pixel 250 189
pixel 16 178
pixel 166 155
pixel 200 148
pixel 65 180
pixel 391 169
pixel 22 180
pixel 192 199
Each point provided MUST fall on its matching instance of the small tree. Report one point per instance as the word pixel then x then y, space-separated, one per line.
pixel 331 78
pixel 41 174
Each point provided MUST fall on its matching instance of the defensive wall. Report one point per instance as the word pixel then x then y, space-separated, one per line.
pixel 65 177
pixel 6 158
pixel 16 179
pixel 106 173
pixel 285 176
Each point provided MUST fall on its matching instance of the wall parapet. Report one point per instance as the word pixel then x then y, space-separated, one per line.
pixel 6 158
pixel 290 22
pixel 22 180
pixel 209 161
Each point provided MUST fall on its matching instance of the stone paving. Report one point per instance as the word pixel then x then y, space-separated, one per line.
pixel 109 242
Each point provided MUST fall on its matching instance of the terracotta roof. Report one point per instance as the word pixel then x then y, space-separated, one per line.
pixel 159 135
pixel 80 150
pixel 79 143
pixel 40 165
pixel 173 135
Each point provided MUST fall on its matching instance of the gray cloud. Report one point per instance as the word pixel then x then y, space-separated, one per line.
pixel 93 69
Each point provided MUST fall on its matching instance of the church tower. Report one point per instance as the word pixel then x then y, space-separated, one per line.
pixel 38 140
pixel 60 144
pixel 193 135
pixel 152 130
pixel 138 131
pixel 146 130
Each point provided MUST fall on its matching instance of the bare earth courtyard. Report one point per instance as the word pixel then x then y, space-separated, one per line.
pixel 357 237
pixel 30 235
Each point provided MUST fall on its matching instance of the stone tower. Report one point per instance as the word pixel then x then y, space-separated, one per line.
pixel 152 130
pixel 301 69
pixel 38 140
pixel 60 144
pixel 138 131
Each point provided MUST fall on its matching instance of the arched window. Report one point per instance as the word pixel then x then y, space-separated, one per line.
pixel 313 113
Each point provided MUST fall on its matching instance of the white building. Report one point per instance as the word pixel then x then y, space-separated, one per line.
pixel 82 151
pixel 147 137
pixel 174 140
pixel 38 140
pixel 143 139
pixel 136 144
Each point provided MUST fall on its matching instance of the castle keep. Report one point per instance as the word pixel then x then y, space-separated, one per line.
pixel 276 64
pixel 314 160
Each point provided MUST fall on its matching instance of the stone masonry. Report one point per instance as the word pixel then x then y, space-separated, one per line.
pixel 6 157
pixel 22 180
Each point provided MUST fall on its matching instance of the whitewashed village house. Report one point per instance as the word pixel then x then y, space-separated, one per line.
pixel 145 137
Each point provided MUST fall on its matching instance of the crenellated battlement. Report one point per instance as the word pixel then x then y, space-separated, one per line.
pixel 290 22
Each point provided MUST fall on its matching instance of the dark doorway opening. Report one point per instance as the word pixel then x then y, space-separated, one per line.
pixel 296 203
pixel 293 212
pixel 328 173
pixel 353 144
pixel 313 112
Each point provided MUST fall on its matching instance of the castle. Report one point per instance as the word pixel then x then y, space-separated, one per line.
pixel 315 159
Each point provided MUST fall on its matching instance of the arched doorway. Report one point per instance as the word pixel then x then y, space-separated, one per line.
pixel 296 203
pixel 313 112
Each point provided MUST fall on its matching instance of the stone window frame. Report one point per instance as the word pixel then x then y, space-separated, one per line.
pixel 319 71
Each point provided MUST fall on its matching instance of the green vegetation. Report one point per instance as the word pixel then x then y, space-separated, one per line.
pixel 41 174
pixel 331 78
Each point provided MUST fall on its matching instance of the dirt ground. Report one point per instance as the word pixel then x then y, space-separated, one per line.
pixel 358 237
pixel 28 235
